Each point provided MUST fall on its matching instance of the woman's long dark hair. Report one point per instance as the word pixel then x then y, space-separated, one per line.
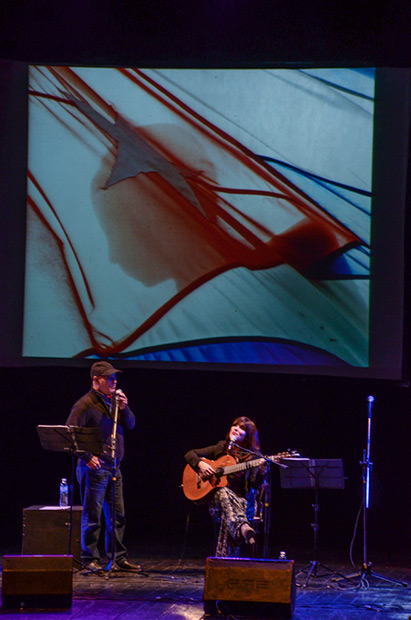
pixel 252 440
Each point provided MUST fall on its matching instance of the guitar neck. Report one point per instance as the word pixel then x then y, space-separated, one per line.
pixel 232 469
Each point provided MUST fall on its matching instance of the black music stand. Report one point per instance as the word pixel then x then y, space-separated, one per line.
pixel 74 440
pixel 313 474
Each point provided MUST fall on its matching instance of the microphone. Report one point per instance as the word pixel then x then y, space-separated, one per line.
pixel 117 395
pixel 370 399
pixel 230 444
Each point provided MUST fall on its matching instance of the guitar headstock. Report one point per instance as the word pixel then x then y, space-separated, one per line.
pixel 289 454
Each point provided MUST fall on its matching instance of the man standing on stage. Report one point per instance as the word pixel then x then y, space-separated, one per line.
pixel 96 475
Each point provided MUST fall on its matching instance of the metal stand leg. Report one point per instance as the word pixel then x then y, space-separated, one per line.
pixel 312 568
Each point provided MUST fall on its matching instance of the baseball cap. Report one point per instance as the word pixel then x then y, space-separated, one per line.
pixel 103 369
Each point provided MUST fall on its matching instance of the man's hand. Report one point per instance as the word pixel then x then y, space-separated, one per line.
pixel 122 400
pixel 94 463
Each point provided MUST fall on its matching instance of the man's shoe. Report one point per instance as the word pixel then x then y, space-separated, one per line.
pixel 128 566
pixel 93 567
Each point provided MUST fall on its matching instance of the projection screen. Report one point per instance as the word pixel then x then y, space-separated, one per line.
pixel 233 218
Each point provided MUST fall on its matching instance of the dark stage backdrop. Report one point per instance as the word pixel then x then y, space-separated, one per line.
pixel 178 411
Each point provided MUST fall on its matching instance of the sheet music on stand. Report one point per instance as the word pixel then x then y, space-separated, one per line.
pixel 76 440
pixel 303 473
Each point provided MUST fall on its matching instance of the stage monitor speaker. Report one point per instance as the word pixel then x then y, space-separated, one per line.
pixel 249 588
pixel 37 582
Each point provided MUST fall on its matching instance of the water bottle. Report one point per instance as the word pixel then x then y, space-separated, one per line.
pixel 63 493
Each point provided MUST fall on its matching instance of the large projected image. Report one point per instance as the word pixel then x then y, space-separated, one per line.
pixel 191 215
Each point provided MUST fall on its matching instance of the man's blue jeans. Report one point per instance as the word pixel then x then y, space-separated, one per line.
pixel 96 492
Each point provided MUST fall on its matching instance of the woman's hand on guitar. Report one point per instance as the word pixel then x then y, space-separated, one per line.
pixel 206 470
pixel 263 465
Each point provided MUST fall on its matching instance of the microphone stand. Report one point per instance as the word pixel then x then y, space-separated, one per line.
pixel 366 464
pixel 257 454
pixel 114 413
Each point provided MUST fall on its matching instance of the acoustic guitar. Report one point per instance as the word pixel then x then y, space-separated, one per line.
pixel 196 489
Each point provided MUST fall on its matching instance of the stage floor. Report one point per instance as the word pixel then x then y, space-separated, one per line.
pixel 172 588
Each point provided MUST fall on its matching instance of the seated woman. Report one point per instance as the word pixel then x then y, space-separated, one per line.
pixel 229 503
